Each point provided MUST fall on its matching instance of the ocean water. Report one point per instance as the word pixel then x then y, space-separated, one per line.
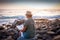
pixel 5 21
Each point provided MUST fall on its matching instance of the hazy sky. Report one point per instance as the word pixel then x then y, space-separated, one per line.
pixel 37 9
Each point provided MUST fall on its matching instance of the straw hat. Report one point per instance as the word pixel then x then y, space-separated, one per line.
pixel 28 13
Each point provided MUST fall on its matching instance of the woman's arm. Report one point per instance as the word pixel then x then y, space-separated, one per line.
pixel 24 29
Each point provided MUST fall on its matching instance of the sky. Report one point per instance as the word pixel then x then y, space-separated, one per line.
pixel 37 9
